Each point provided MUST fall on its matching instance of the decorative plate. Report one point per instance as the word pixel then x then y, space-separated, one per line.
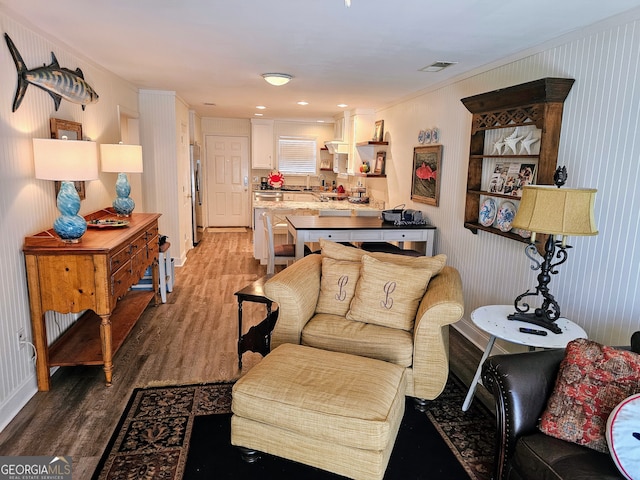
pixel 276 179
pixel 107 223
pixel 421 136
pixel 427 136
pixel 524 233
pixel 487 212
pixel 505 216
pixel 435 135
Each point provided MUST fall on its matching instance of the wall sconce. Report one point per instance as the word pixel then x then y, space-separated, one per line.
pixel 277 79
pixel 122 159
pixel 554 211
pixel 67 161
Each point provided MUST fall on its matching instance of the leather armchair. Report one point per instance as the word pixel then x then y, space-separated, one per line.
pixel 296 290
pixel 521 384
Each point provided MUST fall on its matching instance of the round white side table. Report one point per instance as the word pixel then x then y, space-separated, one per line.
pixel 493 320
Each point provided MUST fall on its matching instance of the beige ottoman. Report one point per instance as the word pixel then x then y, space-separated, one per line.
pixel 334 411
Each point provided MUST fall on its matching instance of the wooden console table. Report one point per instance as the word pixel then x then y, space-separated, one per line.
pixel 91 275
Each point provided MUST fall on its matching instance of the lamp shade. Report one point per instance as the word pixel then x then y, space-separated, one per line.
pixel 121 158
pixel 69 160
pixel 557 211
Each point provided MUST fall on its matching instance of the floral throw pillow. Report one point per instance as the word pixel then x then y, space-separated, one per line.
pixel 592 380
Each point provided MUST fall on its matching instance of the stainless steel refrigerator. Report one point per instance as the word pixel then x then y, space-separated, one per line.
pixel 197 189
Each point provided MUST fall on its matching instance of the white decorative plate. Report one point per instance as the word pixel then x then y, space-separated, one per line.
pixel 427 136
pixel 435 135
pixel 505 216
pixel 487 212
pixel 421 136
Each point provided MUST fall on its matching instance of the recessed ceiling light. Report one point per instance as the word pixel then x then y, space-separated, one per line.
pixel 437 66
pixel 277 79
pixel 303 103
pixel 258 114
pixel 342 105
pixel 319 121
pixel 260 107
pixel 210 104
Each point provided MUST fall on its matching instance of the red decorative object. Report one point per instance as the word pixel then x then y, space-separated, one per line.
pixel 592 380
pixel 276 179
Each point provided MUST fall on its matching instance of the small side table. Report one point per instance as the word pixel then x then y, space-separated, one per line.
pixel 493 320
pixel 258 338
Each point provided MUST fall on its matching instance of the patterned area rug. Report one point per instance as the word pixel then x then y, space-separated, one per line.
pixel 182 432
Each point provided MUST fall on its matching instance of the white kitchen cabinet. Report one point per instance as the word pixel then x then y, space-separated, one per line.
pixel 262 151
pixel 361 125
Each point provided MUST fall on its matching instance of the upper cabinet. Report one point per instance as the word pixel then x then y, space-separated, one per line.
pixel 515 133
pixel 361 130
pixel 262 151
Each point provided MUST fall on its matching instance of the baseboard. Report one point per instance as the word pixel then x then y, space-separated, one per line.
pixel 478 337
pixel 17 401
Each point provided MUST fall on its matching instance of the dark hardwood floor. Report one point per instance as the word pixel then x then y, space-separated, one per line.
pixel 190 339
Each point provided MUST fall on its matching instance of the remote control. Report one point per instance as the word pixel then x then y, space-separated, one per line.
pixel 533 331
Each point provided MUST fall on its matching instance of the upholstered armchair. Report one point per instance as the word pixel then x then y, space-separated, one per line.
pixel 420 345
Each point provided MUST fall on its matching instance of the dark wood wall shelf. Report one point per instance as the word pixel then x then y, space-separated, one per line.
pixel 536 104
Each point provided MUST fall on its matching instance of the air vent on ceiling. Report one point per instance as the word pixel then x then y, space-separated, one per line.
pixel 437 66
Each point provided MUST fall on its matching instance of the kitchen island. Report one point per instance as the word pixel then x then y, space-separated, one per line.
pixel 282 208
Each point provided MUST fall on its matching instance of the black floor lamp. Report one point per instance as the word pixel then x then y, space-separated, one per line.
pixel 554 211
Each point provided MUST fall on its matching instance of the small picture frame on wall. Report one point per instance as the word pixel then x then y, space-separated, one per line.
pixel 378 132
pixel 380 161
pixel 73 131
pixel 425 182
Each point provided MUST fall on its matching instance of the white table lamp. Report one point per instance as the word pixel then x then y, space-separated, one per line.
pixel 66 161
pixel 122 159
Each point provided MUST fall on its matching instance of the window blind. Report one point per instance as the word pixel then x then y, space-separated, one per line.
pixel 297 155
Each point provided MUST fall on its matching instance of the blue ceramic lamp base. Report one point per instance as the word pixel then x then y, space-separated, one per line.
pixel 69 226
pixel 123 204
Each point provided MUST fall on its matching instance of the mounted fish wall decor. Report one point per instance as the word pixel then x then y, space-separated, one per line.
pixel 57 81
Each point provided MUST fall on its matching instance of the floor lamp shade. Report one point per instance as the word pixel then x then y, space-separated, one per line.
pixel 122 159
pixel 66 161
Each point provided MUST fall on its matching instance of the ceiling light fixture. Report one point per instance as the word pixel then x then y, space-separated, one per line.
pixel 258 114
pixel 303 103
pixel 260 107
pixel 277 79
pixel 347 3
pixel 437 66
pixel 342 105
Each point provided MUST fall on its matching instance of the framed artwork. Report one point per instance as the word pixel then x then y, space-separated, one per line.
pixel 73 131
pixel 425 183
pixel 378 132
pixel 380 159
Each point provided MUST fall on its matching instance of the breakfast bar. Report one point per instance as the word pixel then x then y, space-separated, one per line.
pixel 309 228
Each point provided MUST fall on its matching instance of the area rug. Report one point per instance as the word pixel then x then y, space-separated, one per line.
pixel 226 230
pixel 182 433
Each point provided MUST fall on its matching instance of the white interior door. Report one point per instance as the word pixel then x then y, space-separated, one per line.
pixel 227 181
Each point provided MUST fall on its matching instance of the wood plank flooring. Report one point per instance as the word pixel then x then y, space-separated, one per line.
pixel 190 339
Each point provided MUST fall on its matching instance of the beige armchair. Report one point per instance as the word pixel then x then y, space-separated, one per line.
pixel 422 347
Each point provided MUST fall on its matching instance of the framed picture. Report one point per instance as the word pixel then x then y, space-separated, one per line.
pixel 380 159
pixel 378 132
pixel 73 131
pixel 425 184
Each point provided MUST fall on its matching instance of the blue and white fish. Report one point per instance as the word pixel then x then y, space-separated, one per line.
pixel 57 81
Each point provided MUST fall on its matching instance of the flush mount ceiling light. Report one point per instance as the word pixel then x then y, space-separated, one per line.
pixel 437 66
pixel 277 79
pixel 342 105
pixel 303 103
pixel 260 107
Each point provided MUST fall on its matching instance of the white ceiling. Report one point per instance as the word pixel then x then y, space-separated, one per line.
pixel 366 56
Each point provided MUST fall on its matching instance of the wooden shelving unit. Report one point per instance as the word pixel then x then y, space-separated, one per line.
pixel 533 105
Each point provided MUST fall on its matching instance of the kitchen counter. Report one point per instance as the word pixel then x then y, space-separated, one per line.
pixel 330 205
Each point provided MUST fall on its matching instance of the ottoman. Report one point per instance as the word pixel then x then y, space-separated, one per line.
pixel 330 410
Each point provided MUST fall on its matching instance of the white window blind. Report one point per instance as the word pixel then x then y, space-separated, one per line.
pixel 297 155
